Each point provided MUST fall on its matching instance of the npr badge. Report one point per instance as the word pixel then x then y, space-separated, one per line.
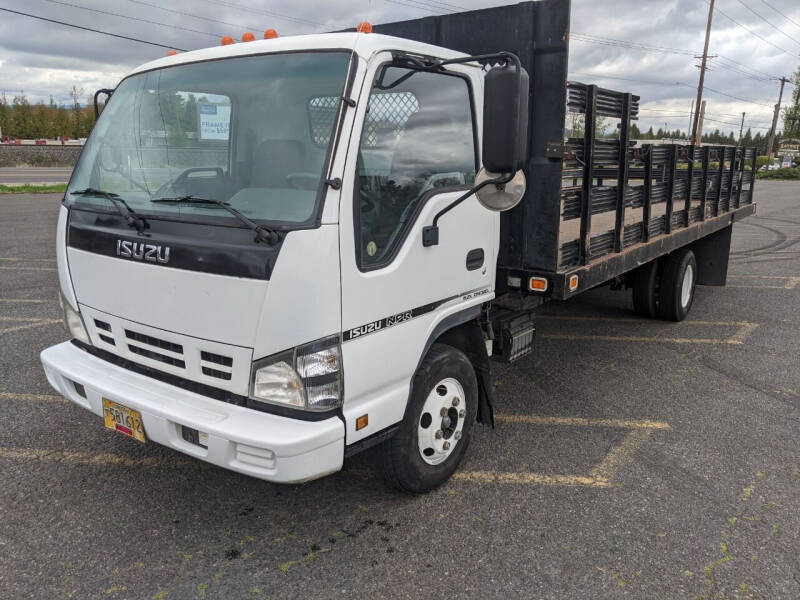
pixel 372 248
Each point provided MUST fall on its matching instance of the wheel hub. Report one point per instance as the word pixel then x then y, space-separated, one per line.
pixel 686 286
pixel 441 421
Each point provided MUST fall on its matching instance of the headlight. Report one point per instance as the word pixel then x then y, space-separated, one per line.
pixel 73 321
pixel 308 377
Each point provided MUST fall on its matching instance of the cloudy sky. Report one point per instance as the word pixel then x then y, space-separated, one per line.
pixel 756 41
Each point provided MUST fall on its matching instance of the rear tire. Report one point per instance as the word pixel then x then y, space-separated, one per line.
pixel 645 289
pixel 678 281
pixel 437 427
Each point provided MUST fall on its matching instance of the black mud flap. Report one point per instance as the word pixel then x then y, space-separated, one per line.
pixel 469 338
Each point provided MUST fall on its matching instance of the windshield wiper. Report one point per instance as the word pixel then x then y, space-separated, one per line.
pixel 263 234
pixel 134 220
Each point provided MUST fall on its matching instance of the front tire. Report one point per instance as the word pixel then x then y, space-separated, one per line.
pixel 437 427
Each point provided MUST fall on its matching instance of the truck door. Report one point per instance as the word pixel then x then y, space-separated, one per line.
pixel 414 150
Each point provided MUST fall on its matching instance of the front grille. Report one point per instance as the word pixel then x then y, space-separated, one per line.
pixel 206 362
pixel 226 361
pixel 215 373
pixel 155 342
pixel 176 362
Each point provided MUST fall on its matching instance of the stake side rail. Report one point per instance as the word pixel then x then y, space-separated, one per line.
pixel 624 203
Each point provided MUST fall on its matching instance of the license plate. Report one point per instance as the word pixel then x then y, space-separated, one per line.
pixel 126 421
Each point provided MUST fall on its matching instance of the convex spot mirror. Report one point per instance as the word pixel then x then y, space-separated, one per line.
pixel 500 196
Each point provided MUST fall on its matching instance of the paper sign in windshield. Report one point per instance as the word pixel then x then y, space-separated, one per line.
pixel 215 121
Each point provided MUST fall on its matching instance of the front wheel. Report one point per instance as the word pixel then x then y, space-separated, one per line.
pixel 437 427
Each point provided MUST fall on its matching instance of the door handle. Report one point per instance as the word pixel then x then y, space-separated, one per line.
pixel 475 259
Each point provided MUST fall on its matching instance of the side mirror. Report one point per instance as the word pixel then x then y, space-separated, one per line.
pixel 505 119
pixel 104 92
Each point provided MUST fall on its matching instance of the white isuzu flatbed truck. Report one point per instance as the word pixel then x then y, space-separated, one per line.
pixel 275 254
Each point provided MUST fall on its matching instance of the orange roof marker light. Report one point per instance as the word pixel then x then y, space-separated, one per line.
pixel 364 27
pixel 248 37
pixel 172 53
pixel 226 40
pixel 270 34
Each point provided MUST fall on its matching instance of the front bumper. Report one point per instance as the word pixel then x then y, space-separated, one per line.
pixel 255 443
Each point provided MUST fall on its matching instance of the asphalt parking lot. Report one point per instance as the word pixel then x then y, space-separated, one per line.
pixel 631 459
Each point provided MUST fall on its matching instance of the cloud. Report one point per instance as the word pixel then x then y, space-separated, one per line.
pixel 46 59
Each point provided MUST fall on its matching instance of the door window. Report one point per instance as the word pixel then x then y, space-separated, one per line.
pixel 418 139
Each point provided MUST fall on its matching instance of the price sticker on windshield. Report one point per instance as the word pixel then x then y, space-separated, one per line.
pixel 215 121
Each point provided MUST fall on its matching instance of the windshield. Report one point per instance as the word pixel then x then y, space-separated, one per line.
pixel 253 131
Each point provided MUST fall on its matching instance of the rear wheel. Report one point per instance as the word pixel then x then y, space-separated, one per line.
pixel 678 281
pixel 645 289
pixel 437 427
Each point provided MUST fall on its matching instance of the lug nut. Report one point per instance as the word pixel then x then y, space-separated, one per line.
pixel 443 412
pixel 457 435
pixel 456 401
pixel 438 435
pixel 462 413
pixel 446 445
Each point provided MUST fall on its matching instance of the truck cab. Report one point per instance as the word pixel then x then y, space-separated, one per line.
pixel 241 259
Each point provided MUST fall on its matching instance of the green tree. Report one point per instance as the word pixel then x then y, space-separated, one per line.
pixel 77 114
pixel 5 116
pixel 23 117
pixel 62 127
pixel 791 114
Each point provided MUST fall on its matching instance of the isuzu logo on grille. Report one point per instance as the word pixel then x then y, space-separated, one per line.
pixel 140 251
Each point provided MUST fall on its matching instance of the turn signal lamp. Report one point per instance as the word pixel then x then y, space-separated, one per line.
pixel 226 40
pixel 573 283
pixel 364 27
pixel 248 37
pixel 270 34
pixel 362 422
pixel 538 284
pixel 172 53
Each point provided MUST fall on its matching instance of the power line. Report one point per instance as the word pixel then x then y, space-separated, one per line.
pixel 432 4
pixel 681 83
pixel 586 37
pixel 748 100
pixel 105 12
pixel 767 22
pixel 785 16
pixel 268 13
pixel 116 35
pixel 750 31
pixel 707 118
pixel 595 39
pixel 683 112
pixel 425 8
pixel 185 14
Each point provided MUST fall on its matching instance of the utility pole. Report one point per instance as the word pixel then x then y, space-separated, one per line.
pixel 689 131
pixel 775 121
pixel 700 119
pixel 695 138
pixel 741 129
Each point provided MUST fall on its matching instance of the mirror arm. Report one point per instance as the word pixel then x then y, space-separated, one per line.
pixel 430 233
pixel 105 91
